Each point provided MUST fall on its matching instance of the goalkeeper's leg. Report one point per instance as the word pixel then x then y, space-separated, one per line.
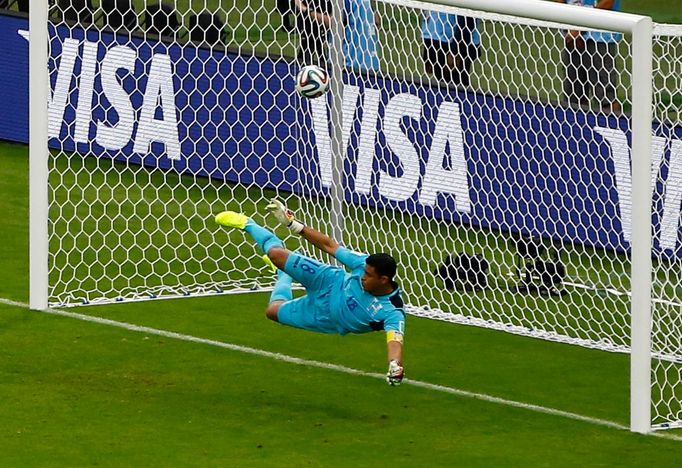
pixel 281 293
pixel 308 312
pixel 266 240
pixel 303 312
pixel 307 271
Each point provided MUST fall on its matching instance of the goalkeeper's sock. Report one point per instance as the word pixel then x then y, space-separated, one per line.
pixel 282 289
pixel 264 238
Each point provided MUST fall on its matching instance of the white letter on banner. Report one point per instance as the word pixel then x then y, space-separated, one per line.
pixel 321 130
pixel 85 91
pixel 437 179
pixel 620 153
pixel 149 129
pixel 367 144
pixel 670 220
pixel 57 101
pixel 403 187
pixel 57 104
pixel 117 136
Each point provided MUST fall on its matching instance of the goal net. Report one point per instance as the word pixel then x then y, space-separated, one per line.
pixel 667 188
pixel 489 153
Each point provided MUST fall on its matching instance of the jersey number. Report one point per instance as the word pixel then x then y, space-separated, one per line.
pixel 308 266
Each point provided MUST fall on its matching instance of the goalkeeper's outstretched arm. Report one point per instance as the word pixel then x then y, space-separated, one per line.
pixel 320 240
pixel 395 373
pixel 286 217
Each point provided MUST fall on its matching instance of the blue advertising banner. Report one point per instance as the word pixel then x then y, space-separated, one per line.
pixel 484 160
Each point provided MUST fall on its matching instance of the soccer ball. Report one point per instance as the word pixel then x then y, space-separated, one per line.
pixel 312 81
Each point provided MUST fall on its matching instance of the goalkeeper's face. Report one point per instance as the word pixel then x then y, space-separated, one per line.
pixel 373 282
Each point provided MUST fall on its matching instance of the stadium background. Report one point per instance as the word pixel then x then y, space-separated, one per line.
pixel 82 393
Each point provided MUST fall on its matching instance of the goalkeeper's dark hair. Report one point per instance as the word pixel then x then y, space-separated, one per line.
pixel 383 264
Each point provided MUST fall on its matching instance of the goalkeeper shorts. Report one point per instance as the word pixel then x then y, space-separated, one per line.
pixel 312 311
pixel 315 276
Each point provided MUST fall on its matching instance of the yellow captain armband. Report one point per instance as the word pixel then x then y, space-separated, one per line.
pixel 393 335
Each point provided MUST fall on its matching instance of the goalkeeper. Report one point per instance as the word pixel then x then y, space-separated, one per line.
pixel 364 300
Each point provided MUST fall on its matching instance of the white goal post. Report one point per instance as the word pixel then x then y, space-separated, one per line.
pixel 38 154
pixel 136 138
pixel 640 29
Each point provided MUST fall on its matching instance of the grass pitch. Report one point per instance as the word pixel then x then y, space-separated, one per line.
pixel 78 393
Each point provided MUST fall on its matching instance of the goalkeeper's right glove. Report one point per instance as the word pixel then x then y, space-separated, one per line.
pixel 285 216
pixel 395 373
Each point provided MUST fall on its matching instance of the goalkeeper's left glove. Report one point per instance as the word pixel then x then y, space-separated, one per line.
pixel 395 373
pixel 285 216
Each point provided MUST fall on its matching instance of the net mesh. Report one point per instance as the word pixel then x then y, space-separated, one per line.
pixel 489 154
pixel 667 291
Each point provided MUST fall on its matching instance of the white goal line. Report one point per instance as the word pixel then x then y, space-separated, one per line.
pixel 337 368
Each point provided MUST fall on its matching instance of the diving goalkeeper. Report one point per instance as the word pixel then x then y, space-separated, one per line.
pixel 364 300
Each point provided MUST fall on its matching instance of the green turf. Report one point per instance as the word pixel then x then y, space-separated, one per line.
pixel 662 11
pixel 77 393
pixel 85 394
pixel 80 394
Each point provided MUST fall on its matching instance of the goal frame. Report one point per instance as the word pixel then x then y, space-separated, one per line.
pixel 639 28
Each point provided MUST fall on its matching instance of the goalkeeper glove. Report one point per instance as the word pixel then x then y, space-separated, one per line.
pixel 395 373
pixel 285 216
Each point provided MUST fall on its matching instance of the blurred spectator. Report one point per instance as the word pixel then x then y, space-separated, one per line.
pixel 119 14
pixel 575 66
pixel 438 34
pixel 451 45
pixel 78 11
pixel 312 23
pixel 162 19
pixel 207 28
pixel 360 43
pixel 286 10
pixel 589 61
pixel 23 5
pixel 602 49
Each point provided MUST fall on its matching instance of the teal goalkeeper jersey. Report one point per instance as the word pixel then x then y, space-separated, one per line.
pixel 359 311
